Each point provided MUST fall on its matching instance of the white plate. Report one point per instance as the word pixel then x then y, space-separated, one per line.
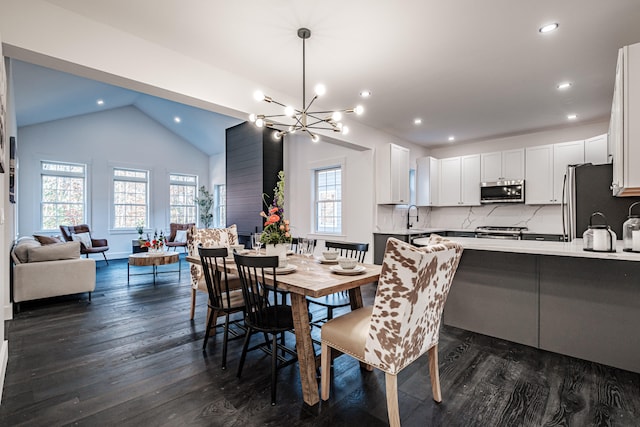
pixel 349 272
pixel 323 260
pixel 290 252
pixel 283 270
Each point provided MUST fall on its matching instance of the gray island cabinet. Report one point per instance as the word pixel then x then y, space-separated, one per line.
pixel 550 295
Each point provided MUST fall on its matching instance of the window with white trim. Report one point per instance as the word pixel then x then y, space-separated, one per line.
pixel 328 200
pixel 63 194
pixel 130 198
pixel 220 206
pixel 182 198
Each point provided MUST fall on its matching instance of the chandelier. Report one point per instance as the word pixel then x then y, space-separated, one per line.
pixel 304 120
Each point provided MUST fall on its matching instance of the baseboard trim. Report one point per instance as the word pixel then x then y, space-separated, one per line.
pixel 4 360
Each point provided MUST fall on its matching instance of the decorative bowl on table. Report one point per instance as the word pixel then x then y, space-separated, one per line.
pixel 330 255
pixel 347 263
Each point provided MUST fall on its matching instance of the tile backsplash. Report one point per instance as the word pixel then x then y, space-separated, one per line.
pixel 546 219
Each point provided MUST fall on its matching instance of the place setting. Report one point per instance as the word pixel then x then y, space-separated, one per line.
pixel 328 257
pixel 347 267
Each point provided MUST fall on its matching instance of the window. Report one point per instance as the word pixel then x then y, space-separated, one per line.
pixel 130 197
pixel 182 198
pixel 63 198
pixel 220 206
pixel 328 200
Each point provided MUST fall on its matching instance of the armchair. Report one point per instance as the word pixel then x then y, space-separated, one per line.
pixel 88 245
pixel 172 241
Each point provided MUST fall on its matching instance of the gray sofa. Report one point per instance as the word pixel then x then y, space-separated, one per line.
pixel 43 271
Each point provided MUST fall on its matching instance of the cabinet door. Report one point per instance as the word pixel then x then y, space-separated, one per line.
pixel 595 150
pixel 470 180
pixel 513 164
pixel 450 182
pixel 426 181
pixel 564 154
pixel 399 174
pixel 491 166
pixel 539 175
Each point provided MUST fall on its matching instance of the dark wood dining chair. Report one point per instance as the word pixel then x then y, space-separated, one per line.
pixel 404 321
pixel 222 299
pixel 339 299
pixel 265 312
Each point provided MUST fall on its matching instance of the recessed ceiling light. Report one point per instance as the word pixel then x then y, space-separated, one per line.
pixel 549 27
pixel 100 102
pixel 564 85
pixel 452 138
pixel 177 119
pixel 572 116
pixel 365 93
pixel 417 121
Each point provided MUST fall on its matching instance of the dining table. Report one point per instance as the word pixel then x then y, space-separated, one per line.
pixel 312 277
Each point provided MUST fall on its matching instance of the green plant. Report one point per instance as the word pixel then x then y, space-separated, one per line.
pixel 276 228
pixel 205 203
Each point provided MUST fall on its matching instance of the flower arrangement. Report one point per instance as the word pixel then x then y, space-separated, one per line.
pixel 156 244
pixel 276 228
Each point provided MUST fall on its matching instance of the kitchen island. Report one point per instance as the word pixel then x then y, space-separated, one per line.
pixel 550 295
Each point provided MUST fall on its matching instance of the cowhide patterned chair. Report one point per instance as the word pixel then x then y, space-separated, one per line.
pixel 208 238
pixel 404 321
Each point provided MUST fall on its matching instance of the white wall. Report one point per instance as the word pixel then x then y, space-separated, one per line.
pixel 123 137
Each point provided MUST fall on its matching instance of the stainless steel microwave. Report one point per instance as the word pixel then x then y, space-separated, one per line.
pixel 502 191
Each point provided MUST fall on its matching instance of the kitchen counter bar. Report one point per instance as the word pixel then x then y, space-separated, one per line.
pixel 567 249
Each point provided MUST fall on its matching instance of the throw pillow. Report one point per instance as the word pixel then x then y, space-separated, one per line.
pixel 84 238
pixel 181 236
pixel 54 252
pixel 47 240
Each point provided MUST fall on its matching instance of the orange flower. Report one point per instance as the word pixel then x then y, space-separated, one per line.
pixel 273 210
pixel 274 218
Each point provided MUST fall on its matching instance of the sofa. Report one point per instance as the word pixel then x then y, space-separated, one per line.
pixel 48 270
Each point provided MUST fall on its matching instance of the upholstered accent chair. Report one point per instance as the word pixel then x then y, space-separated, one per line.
pixel 208 238
pixel 404 321
pixel 88 245
pixel 222 300
pixel 178 236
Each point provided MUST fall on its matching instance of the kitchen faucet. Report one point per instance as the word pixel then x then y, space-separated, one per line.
pixel 409 225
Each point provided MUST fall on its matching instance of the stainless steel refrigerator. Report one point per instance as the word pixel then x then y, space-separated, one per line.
pixel 587 189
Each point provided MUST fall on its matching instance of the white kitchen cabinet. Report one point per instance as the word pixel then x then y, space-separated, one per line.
pixel 595 150
pixel 427 182
pixel 460 181
pixel 624 128
pixel 502 165
pixel 545 168
pixel 392 177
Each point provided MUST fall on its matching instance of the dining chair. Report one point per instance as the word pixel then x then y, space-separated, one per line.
pixel 339 299
pixel 264 312
pixel 222 299
pixel 404 321
pixel 207 238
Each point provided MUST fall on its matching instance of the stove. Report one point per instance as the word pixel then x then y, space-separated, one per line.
pixel 496 232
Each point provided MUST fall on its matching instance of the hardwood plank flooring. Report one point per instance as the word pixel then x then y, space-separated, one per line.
pixel 131 357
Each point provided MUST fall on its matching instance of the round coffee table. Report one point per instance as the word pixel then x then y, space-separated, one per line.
pixel 147 259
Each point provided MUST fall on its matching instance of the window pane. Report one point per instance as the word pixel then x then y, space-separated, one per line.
pixel 182 195
pixel 328 200
pixel 130 195
pixel 62 194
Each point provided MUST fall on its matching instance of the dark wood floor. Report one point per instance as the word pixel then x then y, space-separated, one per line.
pixel 133 358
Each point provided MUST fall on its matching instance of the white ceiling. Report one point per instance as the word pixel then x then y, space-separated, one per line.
pixel 469 68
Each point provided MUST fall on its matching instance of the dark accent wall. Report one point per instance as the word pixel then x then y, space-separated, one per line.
pixel 253 160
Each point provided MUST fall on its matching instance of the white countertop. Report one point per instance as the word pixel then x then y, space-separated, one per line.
pixel 419 231
pixel 570 249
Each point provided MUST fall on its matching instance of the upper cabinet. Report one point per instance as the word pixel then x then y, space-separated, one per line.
pixel 624 127
pixel 427 182
pixel 595 150
pixel 460 181
pixel 545 168
pixel 392 175
pixel 502 165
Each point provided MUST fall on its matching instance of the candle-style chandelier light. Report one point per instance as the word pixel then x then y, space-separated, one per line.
pixel 293 120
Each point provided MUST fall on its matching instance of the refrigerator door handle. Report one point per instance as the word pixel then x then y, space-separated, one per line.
pixel 563 206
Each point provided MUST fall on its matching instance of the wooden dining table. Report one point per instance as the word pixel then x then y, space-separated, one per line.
pixel 312 279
